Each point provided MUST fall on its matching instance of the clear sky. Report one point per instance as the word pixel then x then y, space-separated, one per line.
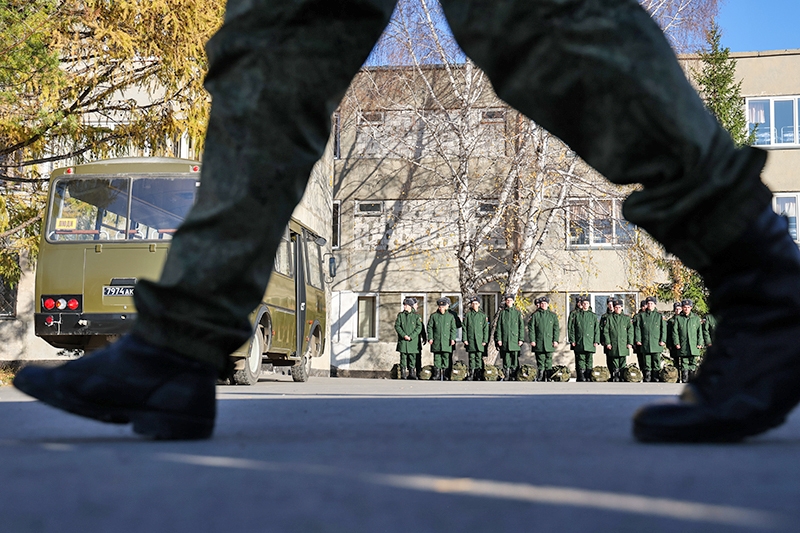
pixel 757 25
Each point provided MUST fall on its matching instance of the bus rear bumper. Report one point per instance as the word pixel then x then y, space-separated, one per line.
pixel 56 324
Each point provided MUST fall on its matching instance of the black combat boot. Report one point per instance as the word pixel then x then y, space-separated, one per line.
pixel 747 383
pixel 435 375
pixel 412 373
pixel 587 374
pixel 547 372
pixel 403 373
pixel 684 376
pixel 579 376
pixel 164 394
pixel 647 376
pixel 539 375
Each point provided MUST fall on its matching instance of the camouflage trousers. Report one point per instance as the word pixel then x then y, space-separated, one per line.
pixel 583 361
pixel 476 360
pixel 599 74
pixel 544 360
pixel 408 360
pixel 443 360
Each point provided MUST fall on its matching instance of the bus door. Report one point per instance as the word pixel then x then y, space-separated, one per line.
pixel 298 241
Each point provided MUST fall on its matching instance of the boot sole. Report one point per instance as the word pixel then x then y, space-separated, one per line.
pixel 158 425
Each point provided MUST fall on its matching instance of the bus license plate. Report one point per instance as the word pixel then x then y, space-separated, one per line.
pixel 117 291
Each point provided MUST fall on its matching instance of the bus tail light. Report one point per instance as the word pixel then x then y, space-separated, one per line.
pixel 48 320
pixel 62 302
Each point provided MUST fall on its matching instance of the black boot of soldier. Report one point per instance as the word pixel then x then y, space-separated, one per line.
pixel 412 373
pixel 587 374
pixel 436 374
pixel 647 376
pixel 684 376
pixel 747 383
pixel 403 373
pixel 164 394
pixel 579 375
pixel 547 372
pixel 539 375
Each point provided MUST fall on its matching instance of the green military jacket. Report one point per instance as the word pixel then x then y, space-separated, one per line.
pixel 544 330
pixel 617 330
pixel 441 330
pixel 650 328
pixel 510 330
pixel 709 327
pixel 476 331
pixel 584 330
pixel 687 331
pixel 408 323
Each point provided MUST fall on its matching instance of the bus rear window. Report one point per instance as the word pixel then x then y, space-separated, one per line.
pixel 118 209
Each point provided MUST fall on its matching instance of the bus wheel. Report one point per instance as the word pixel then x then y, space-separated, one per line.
pixel 301 370
pixel 251 371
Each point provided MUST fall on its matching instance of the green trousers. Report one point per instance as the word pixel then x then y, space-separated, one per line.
pixel 599 74
pixel 408 360
pixel 510 359
pixel 544 360
pixel 443 360
pixel 687 362
pixel 583 361
pixel 476 360
pixel 616 363
pixel 651 362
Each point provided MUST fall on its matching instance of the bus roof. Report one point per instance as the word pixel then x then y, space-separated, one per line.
pixel 131 165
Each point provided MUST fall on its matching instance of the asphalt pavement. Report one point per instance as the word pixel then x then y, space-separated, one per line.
pixel 357 455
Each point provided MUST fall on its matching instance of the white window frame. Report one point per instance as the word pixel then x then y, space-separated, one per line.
pixel 796 197
pixel 376 318
pixel 772 144
pixel 616 218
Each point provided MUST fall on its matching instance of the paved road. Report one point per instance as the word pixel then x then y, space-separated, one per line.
pixel 348 455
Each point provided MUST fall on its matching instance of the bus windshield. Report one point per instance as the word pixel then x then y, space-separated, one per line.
pixel 119 209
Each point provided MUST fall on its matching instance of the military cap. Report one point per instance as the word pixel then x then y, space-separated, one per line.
pixel 443 301
pixel 688 302
pixel 509 295
pixel 545 299
pixel 643 303
pixel 651 299
pixel 537 301
pixel 474 299
pixel 413 301
pixel 408 301
pixel 584 299
pixel 610 299
pixel 618 303
pixel 676 305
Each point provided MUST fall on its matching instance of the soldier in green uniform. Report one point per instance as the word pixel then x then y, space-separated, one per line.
pixel 616 336
pixel 709 329
pixel 543 332
pixel 673 353
pixel 476 337
pixel 687 336
pixel 408 326
pixel 584 336
pixel 650 337
pixel 637 349
pixel 603 318
pixel 423 337
pixel 509 336
pixel 442 338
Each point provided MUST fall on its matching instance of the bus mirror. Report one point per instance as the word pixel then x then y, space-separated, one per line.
pixel 332 267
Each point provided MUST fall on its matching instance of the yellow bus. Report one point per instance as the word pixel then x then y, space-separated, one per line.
pixel 109 224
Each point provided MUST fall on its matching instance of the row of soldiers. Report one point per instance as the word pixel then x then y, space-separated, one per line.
pixel 647 333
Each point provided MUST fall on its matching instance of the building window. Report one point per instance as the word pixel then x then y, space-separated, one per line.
pixel 600 299
pixel 774 121
pixel 785 204
pixel 337 135
pixel 8 299
pixel 336 225
pixel 369 209
pixel 489 304
pixel 598 223
pixel 367 317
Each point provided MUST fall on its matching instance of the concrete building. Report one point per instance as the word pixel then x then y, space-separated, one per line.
pixel 396 210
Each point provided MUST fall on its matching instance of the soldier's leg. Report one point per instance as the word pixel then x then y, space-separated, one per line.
pixel 600 75
pixel 548 365
pixel 580 366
